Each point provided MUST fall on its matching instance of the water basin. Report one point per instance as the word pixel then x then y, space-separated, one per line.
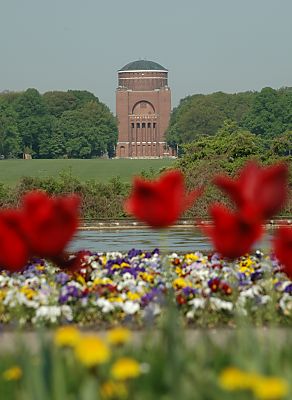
pixel 174 239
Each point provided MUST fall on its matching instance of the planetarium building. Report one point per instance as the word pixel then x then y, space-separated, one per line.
pixel 143 105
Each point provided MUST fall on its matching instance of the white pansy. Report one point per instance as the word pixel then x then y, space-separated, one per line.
pixel 197 303
pixel 48 313
pixel 286 304
pixel 67 312
pixel 152 310
pixel 32 281
pixel 265 299
pixel 218 304
pixel 191 314
pixel 105 305
pixel 127 276
pixel 251 292
pixel 130 307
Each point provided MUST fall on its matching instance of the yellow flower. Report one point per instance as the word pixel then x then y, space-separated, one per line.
pixel 2 294
pixel 146 277
pixel 102 281
pixel 133 296
pixel 232 378
pixel 28 292
pixel 180 283
pixel 67 336
pixel 125 368
pixel 246 270
pixel 116 299
pixel 91 350
pixel 270 388
pixel 116 266
pixel 119 335
pixel 81 280
pixel 246 266
pixel 191 257
pixel 12 374
pixel 112 389
pixel 103 260
pixel 264 388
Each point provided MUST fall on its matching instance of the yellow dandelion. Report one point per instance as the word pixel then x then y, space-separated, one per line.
pixel 125 368
pixel 119 335
pixel 112 389
pixel 233 378
pixel 270 388
pixel 67 336
pixel 12 374
pixel 91 351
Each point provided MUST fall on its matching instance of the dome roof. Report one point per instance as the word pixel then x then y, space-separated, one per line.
pixel 143 65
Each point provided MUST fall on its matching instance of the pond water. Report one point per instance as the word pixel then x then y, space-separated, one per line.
pixel 175 239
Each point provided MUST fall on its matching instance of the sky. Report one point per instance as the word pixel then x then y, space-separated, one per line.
pixel 207 45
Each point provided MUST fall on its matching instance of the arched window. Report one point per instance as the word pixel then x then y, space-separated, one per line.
pixel 143 108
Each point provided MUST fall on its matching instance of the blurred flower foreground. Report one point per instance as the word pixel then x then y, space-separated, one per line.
pixel 143 302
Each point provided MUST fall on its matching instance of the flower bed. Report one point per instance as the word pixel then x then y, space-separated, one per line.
pixel 131 288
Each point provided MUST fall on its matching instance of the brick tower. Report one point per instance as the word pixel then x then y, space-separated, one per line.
pixel 143 106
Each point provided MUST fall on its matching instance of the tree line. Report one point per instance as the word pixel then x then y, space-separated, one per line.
pixel 75 124
pixel 72 124
pixel 225 153
pixel 267 113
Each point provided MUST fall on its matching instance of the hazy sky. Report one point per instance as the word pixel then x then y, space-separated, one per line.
pixel 207 45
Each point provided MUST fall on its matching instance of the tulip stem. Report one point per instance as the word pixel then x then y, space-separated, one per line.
pixel 171 329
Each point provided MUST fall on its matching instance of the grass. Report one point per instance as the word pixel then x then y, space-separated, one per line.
pixel 164 366
pixel 99 169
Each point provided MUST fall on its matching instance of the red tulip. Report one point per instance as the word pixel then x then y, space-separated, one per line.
pixel 49 223
pixel 263 189
pixel 232 234
pixel 161 202
pixel 14 251
pixel 283 248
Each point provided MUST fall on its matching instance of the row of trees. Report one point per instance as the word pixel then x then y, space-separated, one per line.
pixel 267 113
pixel 225 153
pixel 218 133
pixel 73 124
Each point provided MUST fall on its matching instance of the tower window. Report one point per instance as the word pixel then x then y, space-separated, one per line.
pixel 143 124
pixel 154 125
pixel 132 125
pixel 149 125
pixel 138 124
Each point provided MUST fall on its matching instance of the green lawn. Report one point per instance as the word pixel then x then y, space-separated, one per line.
pixel 100 169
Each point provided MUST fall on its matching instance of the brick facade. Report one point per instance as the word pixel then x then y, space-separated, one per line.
pixel 143 105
